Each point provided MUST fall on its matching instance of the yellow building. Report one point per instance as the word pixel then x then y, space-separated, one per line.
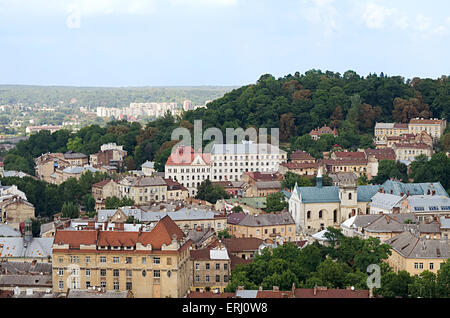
pixel 265 226
pixel 143 189
pixel 414 254
pixel 211 269
pixel 154 264
pixel 15 210
pixel 433 126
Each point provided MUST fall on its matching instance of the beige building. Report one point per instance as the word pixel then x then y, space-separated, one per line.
pixel 275 226
pixel 46 165
pixel 414 254
pixel 434 127
pixel 15 210
pixel 154 264
pixel 102 190
pixel 211 269
pixel 143 189
pixel 409 151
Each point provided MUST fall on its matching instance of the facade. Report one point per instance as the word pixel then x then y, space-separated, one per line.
pixel 427 207
pixel 433 126
pixel 189 168
pixel 384 130
pixel 143 189
pixel 211 269
pixel 76 158
pixel 148 168
pixel 325 130
pixel 414 254
pixel 109 155
pixel 275 226
pixel 102 190
pixel 63 174
pixel 154 264
pixel 301 156
pixel 230 161
pixel 46 166
pixel 409 151
pixel 15 210
pixel 302 169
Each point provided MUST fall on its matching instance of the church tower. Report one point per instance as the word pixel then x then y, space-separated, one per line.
pixel 349 198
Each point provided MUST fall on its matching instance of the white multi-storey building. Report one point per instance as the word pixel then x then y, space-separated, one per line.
pixel 230 161
pixel 188 168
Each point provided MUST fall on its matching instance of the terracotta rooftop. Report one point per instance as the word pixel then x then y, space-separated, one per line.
pixel 381 154
pixel 185 156
pixel 101 184
pixel 264 176
pixel 301 155
pixel 350 155
pixel 242 244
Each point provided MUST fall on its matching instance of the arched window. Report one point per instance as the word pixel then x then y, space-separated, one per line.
pixel 349 196
pixel 335 216
pixel 308 215
pixel 320 214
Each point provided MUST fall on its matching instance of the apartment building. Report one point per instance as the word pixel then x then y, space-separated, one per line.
pixel 151 264
pixel 143 189
pixel 434 127
pixel 188 167
pixel 211 269
pixel 409 151
pixel 109 155
pixel 230 161
pixel 414 254
pixel 102 190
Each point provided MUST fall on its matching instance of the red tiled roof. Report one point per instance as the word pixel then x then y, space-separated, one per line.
pixel 242 244
pixel 236 218
pixel 75 238
pixel 185 156
pixel 101 184
pixel 293 165
pixel 381 154
pixel 330 293
pixel 400 125
pixel 201 254
pixel 117 238
pixel 426 121
pixel 273 294
pixel 301 155
pixel 350 155
pixel 345 162
pixel 264 176
pixel 162 233
pixel 210 295
pixel 236 260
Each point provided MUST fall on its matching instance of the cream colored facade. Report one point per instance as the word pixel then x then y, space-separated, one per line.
pixel 143 192
pixel 414 266
pixel 434 127
pixel 16 210
pixel 287 232
pixel 407 151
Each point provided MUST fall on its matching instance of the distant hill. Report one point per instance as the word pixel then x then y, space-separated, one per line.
pixel 107 96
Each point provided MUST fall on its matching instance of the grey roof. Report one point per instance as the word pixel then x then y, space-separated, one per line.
pixel 384 125
pixel 14 247
pixel 78 169
pixel 365 219
pixel 365 193
pixel 398 187
pixel 26 280
pixel 7 231
pixel 14 173
pixel 429 203
pixel 268 184
pixel 246 293
pixel 245 148
pixel 385 224
pixel 25 268
pixel 47 227
pixel 138 214
pixel 318 195
pixel 74 155
pixel 148 164
pixel 283 218
pixel 445 222
pixel 94 294
pixel 199 236
pixel 409 245
pixel 144 181
pixel 385 201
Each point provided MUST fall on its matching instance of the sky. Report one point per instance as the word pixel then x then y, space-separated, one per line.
pixel 217 42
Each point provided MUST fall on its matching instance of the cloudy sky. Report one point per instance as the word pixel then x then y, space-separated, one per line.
pixel 217 42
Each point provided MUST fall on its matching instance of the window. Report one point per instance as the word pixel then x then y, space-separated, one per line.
pixel 157 273
pixel 197 278
pixel 129 273
pixel 74 259
pixel 420 265
pixel 217 278
pixel 61 284
pixel 129 286
pixel 116 273
pixel 103 272
pixel 88 272
pixel 225 266
pixel 207 278
pixel 88 259
pixel 103 284
pixel 61 271
pixel 308 215
pixel 225 278
pixel 61 259
pixel 320 214
pixel 88 284
pixel 416 265
pixel 156 260
pixel 116 285
pixel 349 196
pixel 102 259
pixel 431 266
pixel 115 260
pixel 217 266
pixel 197 266
pixel 128 260
pixel 207 265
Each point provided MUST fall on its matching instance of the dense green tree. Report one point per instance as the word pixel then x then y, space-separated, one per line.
pixel 211 193
pixel 70 210
pixel 275 202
